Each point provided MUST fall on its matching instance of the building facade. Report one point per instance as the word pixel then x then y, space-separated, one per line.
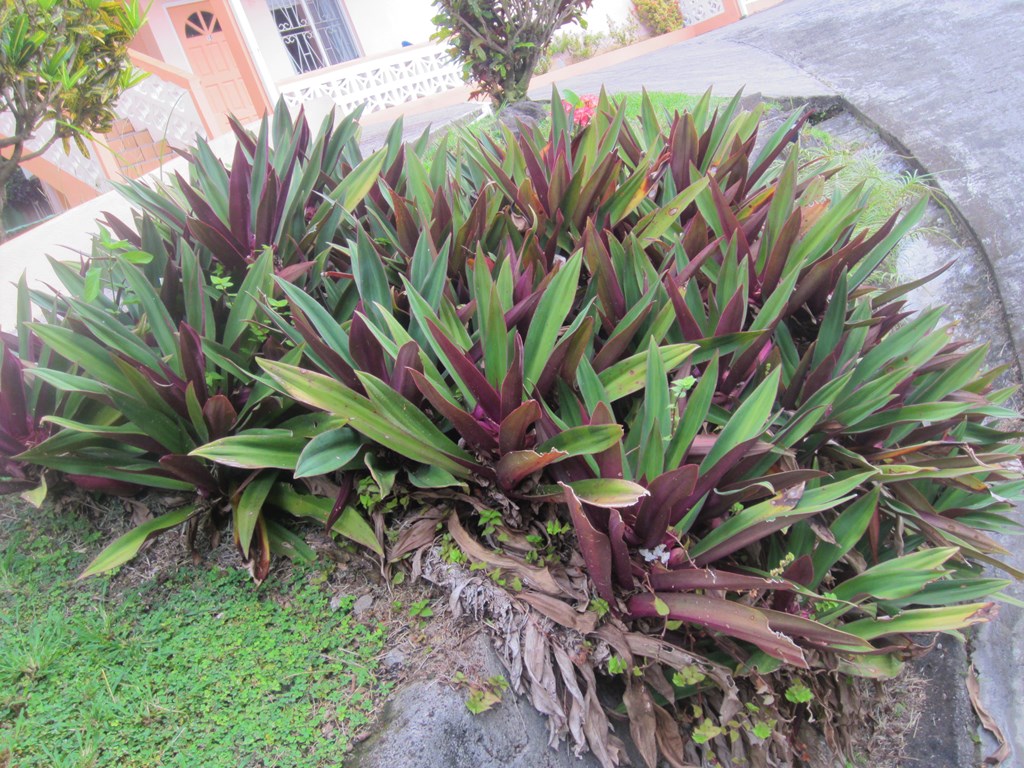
pixel 211 58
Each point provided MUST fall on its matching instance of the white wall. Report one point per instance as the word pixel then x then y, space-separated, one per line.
pixel 382 25
pixel 166 36
pixel 597 17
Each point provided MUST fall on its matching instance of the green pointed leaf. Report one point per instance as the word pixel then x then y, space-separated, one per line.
pixel 127 546
pixel 350 524
pixel 255 449
pixel 247 507
pixel 554 307
pixel 628 376
pixel 328 452
pixel 579 441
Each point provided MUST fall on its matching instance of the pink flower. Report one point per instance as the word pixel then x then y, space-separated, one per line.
pixel 583 111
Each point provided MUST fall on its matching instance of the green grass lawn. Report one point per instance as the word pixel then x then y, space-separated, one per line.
pixel 203 669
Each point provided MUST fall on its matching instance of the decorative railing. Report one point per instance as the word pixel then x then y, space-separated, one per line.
pixel 170 103
pixel 86 169
pixel 164 109
pixel 385 81
pixel 696 11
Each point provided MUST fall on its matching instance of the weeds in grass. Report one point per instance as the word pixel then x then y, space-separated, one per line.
pixel 199 665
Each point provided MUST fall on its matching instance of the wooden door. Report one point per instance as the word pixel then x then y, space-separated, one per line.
pixel 209 52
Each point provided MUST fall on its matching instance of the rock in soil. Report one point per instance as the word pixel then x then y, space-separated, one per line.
pixel 427 725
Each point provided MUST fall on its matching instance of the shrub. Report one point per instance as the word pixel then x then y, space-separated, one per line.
pixel 650 337
pixel 625 33
pixel 64 64
pixel 659 16
pixel 499 44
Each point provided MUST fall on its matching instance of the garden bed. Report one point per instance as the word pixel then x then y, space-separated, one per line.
pixel 612 449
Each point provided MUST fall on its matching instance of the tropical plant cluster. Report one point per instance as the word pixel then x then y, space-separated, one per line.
pixel 633 371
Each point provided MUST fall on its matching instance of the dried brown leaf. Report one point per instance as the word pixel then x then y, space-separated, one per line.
pixel 561 612
pixel 669 739
pixel 538 578
pixel 987 721
pixel 642 722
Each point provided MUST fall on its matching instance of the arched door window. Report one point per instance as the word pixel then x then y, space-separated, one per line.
pixel 201 23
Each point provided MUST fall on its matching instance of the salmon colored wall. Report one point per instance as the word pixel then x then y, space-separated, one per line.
pixel 145 42
pixel 72 191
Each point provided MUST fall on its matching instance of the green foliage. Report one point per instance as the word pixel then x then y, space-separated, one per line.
pixel 888 190
pixel 485 696
pixel 643 333
pixel 499 44
pixel 200 663
pixel 798 693
pixel 659 16
pixel 421 609
pixel 62 63
pixel 623 33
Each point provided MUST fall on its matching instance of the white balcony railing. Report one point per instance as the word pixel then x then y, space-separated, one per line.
pixel 696 11
pixel 381 82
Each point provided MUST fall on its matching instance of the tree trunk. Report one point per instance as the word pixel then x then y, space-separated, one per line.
pixel 7 169
pixel 3 205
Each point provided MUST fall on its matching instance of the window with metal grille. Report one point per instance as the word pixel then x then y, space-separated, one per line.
pixel 316 33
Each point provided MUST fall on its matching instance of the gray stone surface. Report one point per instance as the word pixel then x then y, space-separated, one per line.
pixel 696 65
pixel 944 734
pixel 427 725
pixel 941 77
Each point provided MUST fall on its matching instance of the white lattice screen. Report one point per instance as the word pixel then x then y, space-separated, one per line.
pixel 382 82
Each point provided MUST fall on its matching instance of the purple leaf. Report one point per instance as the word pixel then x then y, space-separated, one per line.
pixel 220 416
pixel 471 376
pixel 513 428
pixel 716 615
pixel 512 385
pixel 366 351
pixel 191 471
pixel 239 212
pixel 594 546
pixel 193 361
pixel 620 552
pixel 515 467
pixel 468 427
pixel 668 492
pixel 408 359
pixel 692 579
pixel 341 500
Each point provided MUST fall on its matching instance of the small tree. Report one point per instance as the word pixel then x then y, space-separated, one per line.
pixel 498 42
pixel 63 64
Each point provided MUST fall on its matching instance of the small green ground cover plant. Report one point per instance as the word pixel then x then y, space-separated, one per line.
pixel 197 665
pixel 631 372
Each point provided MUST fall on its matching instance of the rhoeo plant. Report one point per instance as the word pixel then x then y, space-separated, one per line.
pixel 636 371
